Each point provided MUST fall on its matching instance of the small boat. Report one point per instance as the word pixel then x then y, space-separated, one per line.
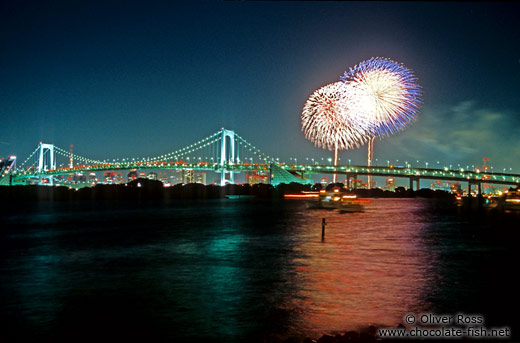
pixel 512 201
pixel 350 203
pixel 334 200
pixel 341 201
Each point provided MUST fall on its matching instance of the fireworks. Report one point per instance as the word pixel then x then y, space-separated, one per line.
pixel 327 122
pixel 384 96
pixel 377 97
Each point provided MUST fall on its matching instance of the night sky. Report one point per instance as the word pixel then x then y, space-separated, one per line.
pixel 134 79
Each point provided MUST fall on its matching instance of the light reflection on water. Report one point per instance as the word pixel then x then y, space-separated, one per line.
pixel 371 268
pixel 230 270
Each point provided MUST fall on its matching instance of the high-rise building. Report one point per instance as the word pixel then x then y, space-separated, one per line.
pixel 199 177
pixel 186 176
pixel 256 178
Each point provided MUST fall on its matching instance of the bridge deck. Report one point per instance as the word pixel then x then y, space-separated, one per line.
pixel 414 173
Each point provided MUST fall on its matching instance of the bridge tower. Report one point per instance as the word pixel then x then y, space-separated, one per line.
pixel 46 160
pixel 227 156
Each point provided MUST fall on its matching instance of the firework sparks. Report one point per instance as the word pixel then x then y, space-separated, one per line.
pixel 384 95
pixel 377 97
pixel 327 122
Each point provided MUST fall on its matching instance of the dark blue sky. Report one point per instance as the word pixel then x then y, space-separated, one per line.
pixel 120 78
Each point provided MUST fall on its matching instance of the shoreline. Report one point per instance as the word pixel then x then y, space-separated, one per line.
pixel 144 189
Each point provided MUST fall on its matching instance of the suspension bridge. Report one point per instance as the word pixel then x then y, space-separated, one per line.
pixel 227 153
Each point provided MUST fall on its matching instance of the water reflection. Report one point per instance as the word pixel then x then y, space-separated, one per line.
pixel 233 270
pixel 372 267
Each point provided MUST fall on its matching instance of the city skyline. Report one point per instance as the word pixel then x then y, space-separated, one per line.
pixel 141 80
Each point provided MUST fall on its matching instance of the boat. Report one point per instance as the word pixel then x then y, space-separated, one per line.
pixel 350 203
pixel 512 201
pixel 331 200
pixel 342 201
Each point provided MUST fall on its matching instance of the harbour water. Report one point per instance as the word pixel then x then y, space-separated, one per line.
pixel 246 270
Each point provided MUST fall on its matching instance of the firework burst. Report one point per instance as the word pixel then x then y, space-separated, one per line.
pixel 384 96
pixel 327 122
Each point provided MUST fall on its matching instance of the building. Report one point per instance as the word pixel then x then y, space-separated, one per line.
pixel 390 184
pixel 113 177
pixel 199 177
pixel 256 178
pixel 132 175
pixel 163 177
pixel 78 178
pixel 439 185
pixel 109 177
pixel 455 188
pixel 92 178
pixel 186 176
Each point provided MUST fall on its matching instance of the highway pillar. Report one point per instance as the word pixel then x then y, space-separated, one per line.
pixel 411 183
pixel 417 182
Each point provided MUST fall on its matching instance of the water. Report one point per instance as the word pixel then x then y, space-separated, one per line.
pixel 235 270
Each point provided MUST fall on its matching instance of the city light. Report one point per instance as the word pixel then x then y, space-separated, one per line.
pixel 202 162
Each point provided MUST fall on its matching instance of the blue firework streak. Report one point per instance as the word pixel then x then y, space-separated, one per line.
pixel 386 96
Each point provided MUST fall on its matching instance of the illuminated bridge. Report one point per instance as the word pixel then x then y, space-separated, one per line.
pixel 227 153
